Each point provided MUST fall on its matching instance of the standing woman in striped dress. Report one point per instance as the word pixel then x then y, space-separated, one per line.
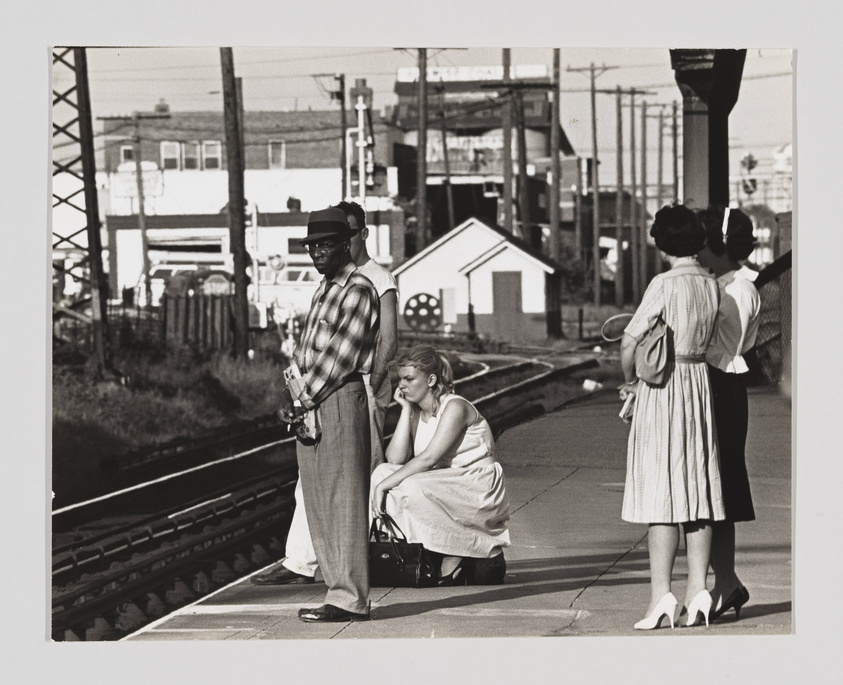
pixel 673 475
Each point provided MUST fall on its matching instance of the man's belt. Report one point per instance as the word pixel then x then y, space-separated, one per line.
pixel 351 378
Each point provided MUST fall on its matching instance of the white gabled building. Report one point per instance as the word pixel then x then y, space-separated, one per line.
pixel 487 281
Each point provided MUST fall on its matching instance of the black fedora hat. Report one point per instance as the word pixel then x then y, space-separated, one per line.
pixel 327 223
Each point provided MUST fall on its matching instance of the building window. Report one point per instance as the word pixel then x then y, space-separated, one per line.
pixel 170 155
pixel 191 155
pixel 277 154
pixel 127 153
pixel 212 154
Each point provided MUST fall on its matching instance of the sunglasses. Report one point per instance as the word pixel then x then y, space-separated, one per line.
pixel 322 247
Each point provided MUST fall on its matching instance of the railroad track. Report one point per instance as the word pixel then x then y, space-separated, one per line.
pixel 127 557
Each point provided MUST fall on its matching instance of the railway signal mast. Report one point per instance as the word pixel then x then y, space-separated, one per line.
pixel 72 121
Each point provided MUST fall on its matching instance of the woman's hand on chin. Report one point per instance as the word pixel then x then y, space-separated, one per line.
pixel 398 396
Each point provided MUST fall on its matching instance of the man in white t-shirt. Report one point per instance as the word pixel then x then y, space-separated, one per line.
pixel 377 384
pixel 300 563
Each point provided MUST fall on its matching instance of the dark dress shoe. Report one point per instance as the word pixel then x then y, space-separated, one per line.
pixel 281 576
pixel 736 600
pixel 328 613
pixel 489 571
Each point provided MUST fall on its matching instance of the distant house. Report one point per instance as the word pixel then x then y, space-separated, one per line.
pixel 484 280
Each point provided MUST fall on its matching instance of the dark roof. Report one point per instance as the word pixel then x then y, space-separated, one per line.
pixel 521 244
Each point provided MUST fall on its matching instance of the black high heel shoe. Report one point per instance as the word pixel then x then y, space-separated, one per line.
pixel 460 575
pixel 736 600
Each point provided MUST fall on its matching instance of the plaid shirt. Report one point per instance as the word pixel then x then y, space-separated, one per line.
pixel 339 334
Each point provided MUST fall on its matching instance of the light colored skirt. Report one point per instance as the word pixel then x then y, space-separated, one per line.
pixel 673 471
pixel 457 511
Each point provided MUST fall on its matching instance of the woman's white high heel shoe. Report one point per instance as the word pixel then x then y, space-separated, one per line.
pixel 665 607
pixel 700 604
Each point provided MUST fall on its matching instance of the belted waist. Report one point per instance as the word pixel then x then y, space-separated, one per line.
pixel 355 377
pixel 689 358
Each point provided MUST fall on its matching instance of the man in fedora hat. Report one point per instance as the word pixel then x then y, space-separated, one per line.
pixel 300 564
pixel 336 348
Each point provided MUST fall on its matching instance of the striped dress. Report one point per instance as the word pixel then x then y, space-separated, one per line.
pixel 673 473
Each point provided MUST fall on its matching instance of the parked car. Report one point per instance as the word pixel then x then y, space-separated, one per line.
pixel 290 288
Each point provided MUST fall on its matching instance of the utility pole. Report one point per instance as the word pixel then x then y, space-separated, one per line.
pixel 595 179
pixel 637 244
pixel 578 212
pixel 506 124
pixel 447 181
pixel 619 267
pixel 344 125
pixel 523 191
pixel 633 197
pixel 675 151
pixel 137 154
pixel 657 259
pixel 421 156
pixel 553 215
pixel 236 202
pixel 361 149
pixel 241 117
pixel 642 254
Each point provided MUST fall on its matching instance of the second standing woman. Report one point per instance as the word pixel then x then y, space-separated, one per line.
pixel 729 241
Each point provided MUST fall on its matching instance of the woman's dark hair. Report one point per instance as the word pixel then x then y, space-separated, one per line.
pixel 677 231
pixel 739 241
pixel 428 361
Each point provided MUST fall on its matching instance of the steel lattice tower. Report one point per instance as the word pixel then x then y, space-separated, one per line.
pixel 75 194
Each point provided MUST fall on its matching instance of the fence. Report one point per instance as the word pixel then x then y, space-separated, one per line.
pixel 131 325
pixel 202 321
pixel 773 345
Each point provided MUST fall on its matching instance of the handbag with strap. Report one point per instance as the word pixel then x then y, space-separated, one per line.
pixel 394 562
pixel 651 354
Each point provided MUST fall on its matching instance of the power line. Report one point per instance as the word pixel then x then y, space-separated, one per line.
pixel 255 77
pixel 242 64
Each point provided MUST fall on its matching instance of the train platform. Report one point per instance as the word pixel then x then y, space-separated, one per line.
pixel 574 567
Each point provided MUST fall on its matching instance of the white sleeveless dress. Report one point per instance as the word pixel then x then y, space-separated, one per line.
pixel 460 507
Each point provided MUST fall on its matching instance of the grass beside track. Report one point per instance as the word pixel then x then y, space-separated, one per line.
pixel 166 396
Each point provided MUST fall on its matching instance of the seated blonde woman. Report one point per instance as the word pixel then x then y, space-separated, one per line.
pixel 441 483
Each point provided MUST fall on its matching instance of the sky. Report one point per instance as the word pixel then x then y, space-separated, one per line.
pixel 123 80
